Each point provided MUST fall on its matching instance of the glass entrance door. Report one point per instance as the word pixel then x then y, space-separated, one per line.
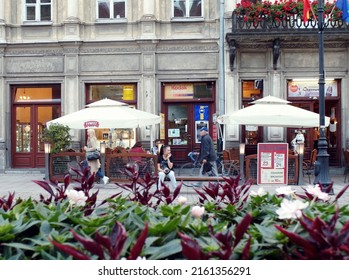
pixel 27 144
pixel 182 127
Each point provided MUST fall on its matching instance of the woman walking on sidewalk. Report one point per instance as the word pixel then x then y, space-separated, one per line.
pixel 94 164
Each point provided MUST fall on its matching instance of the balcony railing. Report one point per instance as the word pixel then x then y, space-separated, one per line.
pixel 267 24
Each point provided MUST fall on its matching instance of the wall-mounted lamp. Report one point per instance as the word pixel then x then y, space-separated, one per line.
pixel 242 148
pixel 300 163
pixel 242 161
pixel 102 150
pixel 47 149
pixel 301 148
pixel 103 147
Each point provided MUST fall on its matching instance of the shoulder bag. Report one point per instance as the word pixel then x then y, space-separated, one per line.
pixel 92 155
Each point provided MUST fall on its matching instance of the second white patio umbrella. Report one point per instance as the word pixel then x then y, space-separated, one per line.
pixel 274 112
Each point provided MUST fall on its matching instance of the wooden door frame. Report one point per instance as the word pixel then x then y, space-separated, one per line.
pixel 182 151
pixel 335 153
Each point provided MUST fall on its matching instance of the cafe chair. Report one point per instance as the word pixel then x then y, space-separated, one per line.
pixel 308 164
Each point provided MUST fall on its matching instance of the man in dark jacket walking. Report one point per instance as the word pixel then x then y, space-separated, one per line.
pixel 207 153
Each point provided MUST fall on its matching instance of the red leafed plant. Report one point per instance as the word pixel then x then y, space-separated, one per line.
pixel 321 241
pixel 85 184
pixel 7 203
pixel 192 250
pixel 143 190
pixel 104 247
pixel 229 192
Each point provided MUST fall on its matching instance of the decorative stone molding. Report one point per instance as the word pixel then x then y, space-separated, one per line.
pixel 116 50
pixel 188 48
pixel 148 18
pixel 232 51
pixel 276 52
pixel 72 20
pixel 33 52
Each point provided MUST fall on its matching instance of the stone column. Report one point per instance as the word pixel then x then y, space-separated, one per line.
pixel 2 155
pixel 73 10
pixel 72 22
pixel 72 98
pixel 275 134
pixel 232 131
pixel 2 21
pixel 148 7
pixel 149 100
pixel 148 20
pixel 3 120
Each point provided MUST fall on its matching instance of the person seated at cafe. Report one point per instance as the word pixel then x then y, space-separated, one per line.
pixel 155 150
pixel 165 166
pixel 137 148
pixel 297 140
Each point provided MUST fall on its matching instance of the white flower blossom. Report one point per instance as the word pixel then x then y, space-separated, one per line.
pixel 260 192
pixel 287 190
pixel 316 191
pixel 182 200
pixel 139 258
pixel 291 209
pixel 76 197
pixel 197 211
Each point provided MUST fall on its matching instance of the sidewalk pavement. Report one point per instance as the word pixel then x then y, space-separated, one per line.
pixel 21 182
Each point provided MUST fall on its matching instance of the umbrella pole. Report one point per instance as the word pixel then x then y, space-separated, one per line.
pixel 151 138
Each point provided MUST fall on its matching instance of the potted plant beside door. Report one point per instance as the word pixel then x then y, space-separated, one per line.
pixel 58 136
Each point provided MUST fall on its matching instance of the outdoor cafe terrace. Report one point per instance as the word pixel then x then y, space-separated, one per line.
pixel 114 163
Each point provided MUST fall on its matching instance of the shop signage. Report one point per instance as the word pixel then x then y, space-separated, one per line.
pixel 162 126
pixel 201 116
pixel 179 91
pixel 127 93
pixel 272 163
pixel 91 124
pixel 311 88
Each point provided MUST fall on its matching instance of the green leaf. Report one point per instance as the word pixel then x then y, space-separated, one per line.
pixel 20 246
pixel 160 253
pixel 268 233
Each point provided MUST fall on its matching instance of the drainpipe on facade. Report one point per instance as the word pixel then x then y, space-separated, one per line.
pixel 221 110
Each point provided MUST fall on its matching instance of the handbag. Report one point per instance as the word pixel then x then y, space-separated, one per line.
pixel 93 155
pixel 207 167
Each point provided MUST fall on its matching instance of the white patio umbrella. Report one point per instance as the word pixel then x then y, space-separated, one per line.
pixel 107 113
pixel 274 112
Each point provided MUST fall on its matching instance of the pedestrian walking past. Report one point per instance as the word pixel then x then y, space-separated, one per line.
pixel 208 155
pixel 94 163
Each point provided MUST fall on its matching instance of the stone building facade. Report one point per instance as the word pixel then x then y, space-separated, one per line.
pixel 58 55
pixel 161 56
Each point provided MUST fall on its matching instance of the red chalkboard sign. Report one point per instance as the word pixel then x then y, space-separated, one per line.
pixel 272 163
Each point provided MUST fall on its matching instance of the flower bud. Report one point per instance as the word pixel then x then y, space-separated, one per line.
pixel 197 211
pixel 182 200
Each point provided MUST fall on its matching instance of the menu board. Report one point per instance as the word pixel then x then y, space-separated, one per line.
pixel 272 163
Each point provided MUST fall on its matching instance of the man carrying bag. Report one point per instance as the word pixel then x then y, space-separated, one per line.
pixel 208 155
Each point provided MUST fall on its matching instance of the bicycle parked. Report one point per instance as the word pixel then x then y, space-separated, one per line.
pixel 192 168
